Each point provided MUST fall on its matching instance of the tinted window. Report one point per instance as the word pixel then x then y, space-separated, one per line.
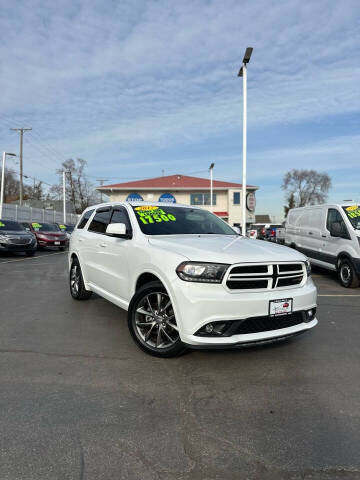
pixel 45 227
pixel 85 218
pixel 333 216
pixel 120 216
pixel 154 220
pixel 9 225
pixel 100 222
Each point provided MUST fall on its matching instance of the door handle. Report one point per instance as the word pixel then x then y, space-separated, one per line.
pixel 80 239
pixel 323 236
pixel 310 233
pixel 102 245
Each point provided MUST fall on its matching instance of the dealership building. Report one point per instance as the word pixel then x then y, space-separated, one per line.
pixel 188 191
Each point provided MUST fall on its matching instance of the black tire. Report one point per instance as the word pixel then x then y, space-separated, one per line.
pixel 160 319
pixel 30 253
pixel 347 274
pixel 76 283
pixel 62 249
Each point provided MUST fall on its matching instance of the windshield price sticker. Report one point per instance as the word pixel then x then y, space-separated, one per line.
pixel 353 211
pixel 148 214
pixel 2 224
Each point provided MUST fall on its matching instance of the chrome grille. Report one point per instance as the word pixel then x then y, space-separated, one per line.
pixel 266 276
pixel 19 240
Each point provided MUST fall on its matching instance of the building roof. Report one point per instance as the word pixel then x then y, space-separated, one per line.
pixel 173 182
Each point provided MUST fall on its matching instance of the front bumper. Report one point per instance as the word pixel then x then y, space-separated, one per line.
pixel 197 304
pixel 52 243
pixel 9 247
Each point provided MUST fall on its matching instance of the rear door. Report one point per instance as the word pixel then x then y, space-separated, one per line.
pixel 95 244
pixel 113 254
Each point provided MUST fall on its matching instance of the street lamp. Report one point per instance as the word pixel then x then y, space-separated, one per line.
pixel 3 180
pixel 211 186
pixel 242 73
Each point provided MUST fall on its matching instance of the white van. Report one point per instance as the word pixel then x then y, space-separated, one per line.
pixel 330 236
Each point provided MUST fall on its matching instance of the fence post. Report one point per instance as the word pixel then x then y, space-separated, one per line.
pixel 16 212
pixel 43 215
pixel 31 215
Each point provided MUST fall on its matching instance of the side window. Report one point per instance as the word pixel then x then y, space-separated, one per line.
pixel 334 216
pixel 84 219
pixel 120 215
pixel 100 221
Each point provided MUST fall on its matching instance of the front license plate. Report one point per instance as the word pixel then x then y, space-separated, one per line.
pixel 282 306
pixel 56 243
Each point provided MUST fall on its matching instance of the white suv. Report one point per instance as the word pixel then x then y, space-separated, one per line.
pixel 187 279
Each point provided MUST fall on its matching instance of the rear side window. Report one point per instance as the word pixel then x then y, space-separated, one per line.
pixel 85 218
pixel 100 221
pixel 120 216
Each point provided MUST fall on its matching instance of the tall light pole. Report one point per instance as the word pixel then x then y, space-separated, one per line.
pixel 211 186
pixel 64 194
pixel 3 180
pixel 21 130
pixel 242 73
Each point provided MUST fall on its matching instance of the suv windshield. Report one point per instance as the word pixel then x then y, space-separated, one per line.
pixel 45 227
pixel 154 220
pixel 353 214
pixel 9 225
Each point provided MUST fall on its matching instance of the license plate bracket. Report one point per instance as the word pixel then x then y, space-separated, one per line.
pixel 281 306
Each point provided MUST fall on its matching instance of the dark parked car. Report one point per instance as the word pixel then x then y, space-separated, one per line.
pixel 47 234
pixel 66 228
pixel 14 238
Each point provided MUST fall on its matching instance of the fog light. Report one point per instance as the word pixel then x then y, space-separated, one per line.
pixel 310 315
pixel 214 329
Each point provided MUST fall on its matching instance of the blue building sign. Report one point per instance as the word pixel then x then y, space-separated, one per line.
pixel 134 197
pixel 167 197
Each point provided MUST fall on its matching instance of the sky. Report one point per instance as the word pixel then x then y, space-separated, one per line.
pixel 137 87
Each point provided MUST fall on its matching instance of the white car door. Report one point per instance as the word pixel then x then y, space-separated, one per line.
pixel 332 246
pixel 113 254
pixel 95 244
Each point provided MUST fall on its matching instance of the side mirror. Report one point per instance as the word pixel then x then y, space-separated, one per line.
pixel 117 230
pixel 236 230
pixel 335 229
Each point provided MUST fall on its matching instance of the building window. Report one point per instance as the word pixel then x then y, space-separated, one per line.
pixel 201 199
pixel 236 199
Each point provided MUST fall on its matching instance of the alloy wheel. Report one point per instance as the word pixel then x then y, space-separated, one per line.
pixel 155 322
pixel 75 280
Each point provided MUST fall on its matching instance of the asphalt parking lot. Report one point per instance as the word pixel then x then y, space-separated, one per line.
pixel 79 400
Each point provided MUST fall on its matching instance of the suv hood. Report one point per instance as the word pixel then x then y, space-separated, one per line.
pixel 225 249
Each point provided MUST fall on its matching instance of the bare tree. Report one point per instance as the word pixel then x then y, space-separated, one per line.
pixel 305 187
pixel 11 188
pixel 79 190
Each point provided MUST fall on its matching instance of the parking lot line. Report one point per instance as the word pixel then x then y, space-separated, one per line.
pixel 337 295
pixel 33 258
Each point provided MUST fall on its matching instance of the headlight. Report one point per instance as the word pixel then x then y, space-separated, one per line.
pixel 308 267
pixel 201 272
pixel 4 239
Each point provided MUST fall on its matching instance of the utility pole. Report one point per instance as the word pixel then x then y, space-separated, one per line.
pixel 64 195
pixel 101 181
pixel 211 186
pixel 21 130
pixel 243 73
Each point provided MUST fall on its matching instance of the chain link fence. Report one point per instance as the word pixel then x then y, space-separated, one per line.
pixel 29 214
